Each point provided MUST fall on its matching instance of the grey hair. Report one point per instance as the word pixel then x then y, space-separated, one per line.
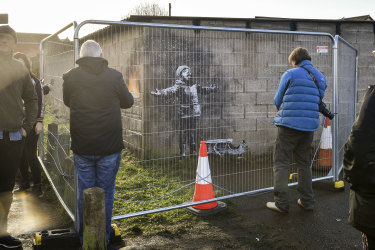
pixel 90 48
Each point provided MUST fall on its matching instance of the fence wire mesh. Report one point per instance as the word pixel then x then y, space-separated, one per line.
pixel 57 58
pixel 347 94
pixel 191 85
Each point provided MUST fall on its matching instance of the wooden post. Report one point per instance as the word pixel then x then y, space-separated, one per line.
pixel 51 143
pixel 94 225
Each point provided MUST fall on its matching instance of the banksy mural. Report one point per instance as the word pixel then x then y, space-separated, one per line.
pixel 225 147
pixel 186 95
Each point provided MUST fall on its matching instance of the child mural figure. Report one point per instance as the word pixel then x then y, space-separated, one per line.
pixel 186 95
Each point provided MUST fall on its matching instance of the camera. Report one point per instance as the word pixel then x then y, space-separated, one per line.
pixel 325 111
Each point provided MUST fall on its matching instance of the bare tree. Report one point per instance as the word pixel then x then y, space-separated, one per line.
pixel 148 9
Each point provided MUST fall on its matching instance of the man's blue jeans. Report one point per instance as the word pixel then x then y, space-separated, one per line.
pixel 97 171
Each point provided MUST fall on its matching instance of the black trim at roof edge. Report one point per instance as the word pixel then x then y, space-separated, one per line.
pixel 196 21
pixel 137 18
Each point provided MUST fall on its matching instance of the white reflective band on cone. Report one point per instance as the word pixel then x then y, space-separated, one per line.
pixel 326 142
pixel 203 171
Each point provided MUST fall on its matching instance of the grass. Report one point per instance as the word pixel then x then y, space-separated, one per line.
pixel 138 182
pixel 152 182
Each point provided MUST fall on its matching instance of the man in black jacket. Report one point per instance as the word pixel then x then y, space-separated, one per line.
pixel 359 170
pixel 16 94
pixel 95 94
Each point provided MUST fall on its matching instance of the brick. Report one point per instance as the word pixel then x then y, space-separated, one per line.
pixel 365 72
pixel 264 98
pixel 327 28
pixel 235 24
pixel 365 81
pixel 211 23
pixel 271 58
pixel 286 46
pixel 253 85
pixel 366 27
pixel 271 71
pixel 234 112
pixel 261 137
pixel 365 37
pixel 349 27
pixel 306 38
pixel 271 25
pixel 244 98
pixel 222 46
pixel 243 44
pixel 252 110
pixel 219 34
pixel 235 85
pixel 267 46
pixel 273 84
pixel 239 136
pixel 327 71
pixel 248 124
pixel 211 111
pixel 301 26
pixel 264 123
pixel 365 49
pixel 350 36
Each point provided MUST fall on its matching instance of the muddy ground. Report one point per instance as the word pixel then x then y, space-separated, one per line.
pixel 246 224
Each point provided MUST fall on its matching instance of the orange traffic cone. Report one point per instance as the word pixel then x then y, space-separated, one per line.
pixel 325 150
pixel 203 187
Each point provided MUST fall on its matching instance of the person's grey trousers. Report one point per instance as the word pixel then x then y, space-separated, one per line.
pixel 291 142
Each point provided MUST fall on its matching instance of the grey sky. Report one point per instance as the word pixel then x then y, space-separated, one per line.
pixel 46 16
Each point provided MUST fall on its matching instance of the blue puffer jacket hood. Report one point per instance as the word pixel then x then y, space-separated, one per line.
pixel 297 98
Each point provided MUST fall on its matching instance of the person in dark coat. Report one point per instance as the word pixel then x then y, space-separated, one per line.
pixel 18 111
pixel 29 157
pixel 359 170
pixel 95 95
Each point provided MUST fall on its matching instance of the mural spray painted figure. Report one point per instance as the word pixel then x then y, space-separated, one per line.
pixel 186 95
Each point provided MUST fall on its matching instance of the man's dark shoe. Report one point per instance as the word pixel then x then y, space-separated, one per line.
pixel 9 242
pixel 305 207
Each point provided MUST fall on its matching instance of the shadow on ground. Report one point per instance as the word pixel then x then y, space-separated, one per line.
pixel 246 224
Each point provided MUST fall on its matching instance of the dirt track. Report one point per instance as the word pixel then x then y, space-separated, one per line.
pixel 247 224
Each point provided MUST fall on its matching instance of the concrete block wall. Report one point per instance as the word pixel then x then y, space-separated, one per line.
pixel 362 37
pixel 245 66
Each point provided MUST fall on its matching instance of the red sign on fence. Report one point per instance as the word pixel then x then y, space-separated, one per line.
pixel 321 49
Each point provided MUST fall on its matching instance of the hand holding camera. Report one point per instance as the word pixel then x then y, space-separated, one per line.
pixel 325 111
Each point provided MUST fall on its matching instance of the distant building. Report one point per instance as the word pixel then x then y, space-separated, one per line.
pixel 29 43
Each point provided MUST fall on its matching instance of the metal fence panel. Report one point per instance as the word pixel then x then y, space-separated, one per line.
pixel 57 57
pixel 229 104
pixel 346 95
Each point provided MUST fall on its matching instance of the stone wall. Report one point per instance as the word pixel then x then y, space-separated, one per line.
pixel 245 66
pixel 361 34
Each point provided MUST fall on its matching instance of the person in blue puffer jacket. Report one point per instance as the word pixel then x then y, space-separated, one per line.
pixel 297 101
